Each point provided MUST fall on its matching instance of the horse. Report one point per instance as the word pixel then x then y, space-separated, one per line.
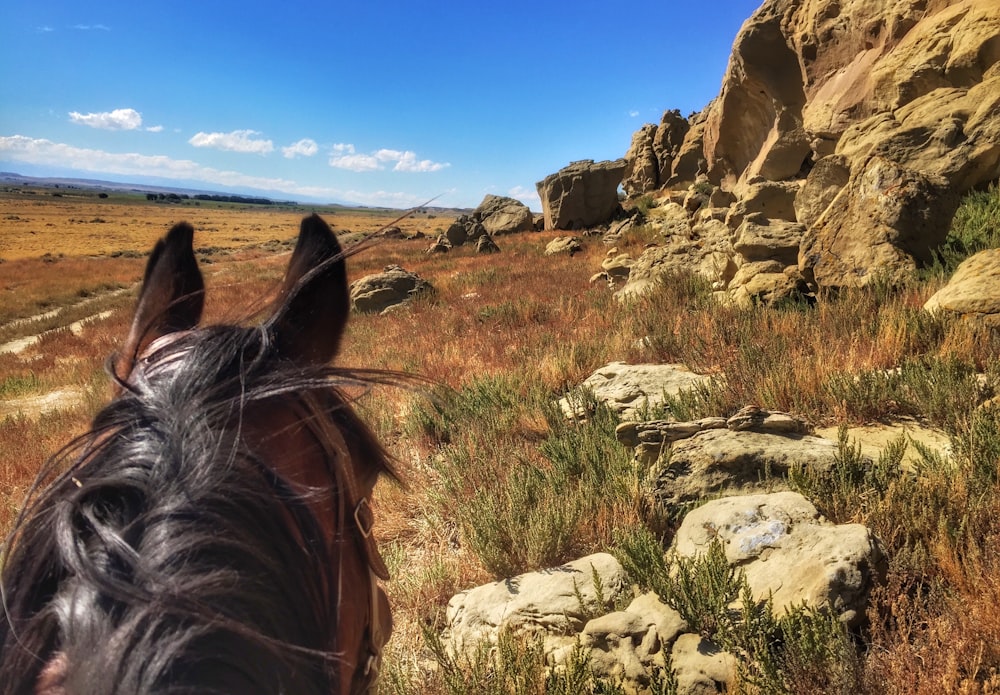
pixel 212 532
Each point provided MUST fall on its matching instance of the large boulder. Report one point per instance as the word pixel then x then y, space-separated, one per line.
pixel 379 292
pixel 500 215
pixel 581 195
pixel 788 552
pixel 974 289
pixel 884 223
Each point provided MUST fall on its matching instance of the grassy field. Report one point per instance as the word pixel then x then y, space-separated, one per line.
pixel 498 482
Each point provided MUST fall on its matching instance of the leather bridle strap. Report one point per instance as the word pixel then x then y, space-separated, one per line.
pixel 327 433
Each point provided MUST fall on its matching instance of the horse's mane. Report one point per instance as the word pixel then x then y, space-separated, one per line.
pixel 156 553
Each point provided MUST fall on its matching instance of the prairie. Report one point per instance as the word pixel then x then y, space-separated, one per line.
pixel 497 481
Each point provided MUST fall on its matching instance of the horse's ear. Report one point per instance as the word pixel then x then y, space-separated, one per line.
pixel 314 302
pixel 172 295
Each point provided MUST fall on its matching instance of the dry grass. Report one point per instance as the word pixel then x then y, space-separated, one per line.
pixel 507 335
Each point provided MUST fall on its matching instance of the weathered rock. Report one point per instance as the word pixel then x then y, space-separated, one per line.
pixel 500 215
pixel 545 601
pixel 650 158
pixel 629 388
pixel 381 291
pixel 701 667
pixel 769 200
pixel 617 266
pixel 487 245
pixel 974 289
pixel 822 185
pixel 767 288
pixel 717 460
pixel 581 195
pixel 440 245
pixel 704 249
pixel 884 222
pixel 759 239
pixel 904 96
pixel 642 170
pixel 464 229
pixel 788 552
pixel 627 645
pixel 564 244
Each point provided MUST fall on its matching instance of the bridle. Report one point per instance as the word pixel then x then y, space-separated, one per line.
pixel 354 510
pixel 316 418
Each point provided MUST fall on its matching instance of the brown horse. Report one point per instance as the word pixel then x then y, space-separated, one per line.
pixel 212 532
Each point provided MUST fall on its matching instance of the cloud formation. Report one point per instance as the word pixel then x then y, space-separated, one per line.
pixel 236 141
pixel 303 148
pixel 119 119
pixel 91 27
pixel 344 156
pixel 45 152
pixel 528 196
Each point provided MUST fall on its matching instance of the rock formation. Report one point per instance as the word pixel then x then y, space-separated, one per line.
pixel 381 292
pixel 581 195
pixel 862 122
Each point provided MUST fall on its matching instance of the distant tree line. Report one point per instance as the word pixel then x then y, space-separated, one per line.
pixel 176 198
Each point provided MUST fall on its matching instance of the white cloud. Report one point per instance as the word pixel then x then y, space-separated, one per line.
pixel 91 27
pixel 47 153
pixel 154 129
pixel 528 196
pixel 345 157
pixel 119 119
pixel 304 147
pixel 236 141
pixel 633 113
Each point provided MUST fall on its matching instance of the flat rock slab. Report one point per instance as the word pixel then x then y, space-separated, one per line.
pixel 717 460
pixel 630 388
pixel 873 439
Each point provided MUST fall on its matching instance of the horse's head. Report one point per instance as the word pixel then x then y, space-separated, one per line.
pixel 227 408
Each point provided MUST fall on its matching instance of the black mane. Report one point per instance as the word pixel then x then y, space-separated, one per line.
pixel 164 535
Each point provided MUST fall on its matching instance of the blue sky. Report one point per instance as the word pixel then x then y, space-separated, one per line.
pixel 376 102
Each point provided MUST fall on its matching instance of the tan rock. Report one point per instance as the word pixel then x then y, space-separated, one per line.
pixel 974 289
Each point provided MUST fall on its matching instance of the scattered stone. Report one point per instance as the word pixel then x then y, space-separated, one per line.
pixel 564 244
pixel 487 245
pixel 545 601
pixel 440 245
pixel 630 388
pixel 374 294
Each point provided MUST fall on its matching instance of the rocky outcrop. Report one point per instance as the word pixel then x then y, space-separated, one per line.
pixel 465 228
pixel 649 162
pixel 581 195
pixel 380 292
pixel 974 289
pixel 788 552
pixel 863 120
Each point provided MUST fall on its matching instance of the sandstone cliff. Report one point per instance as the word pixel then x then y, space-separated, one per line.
pixel 877 113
